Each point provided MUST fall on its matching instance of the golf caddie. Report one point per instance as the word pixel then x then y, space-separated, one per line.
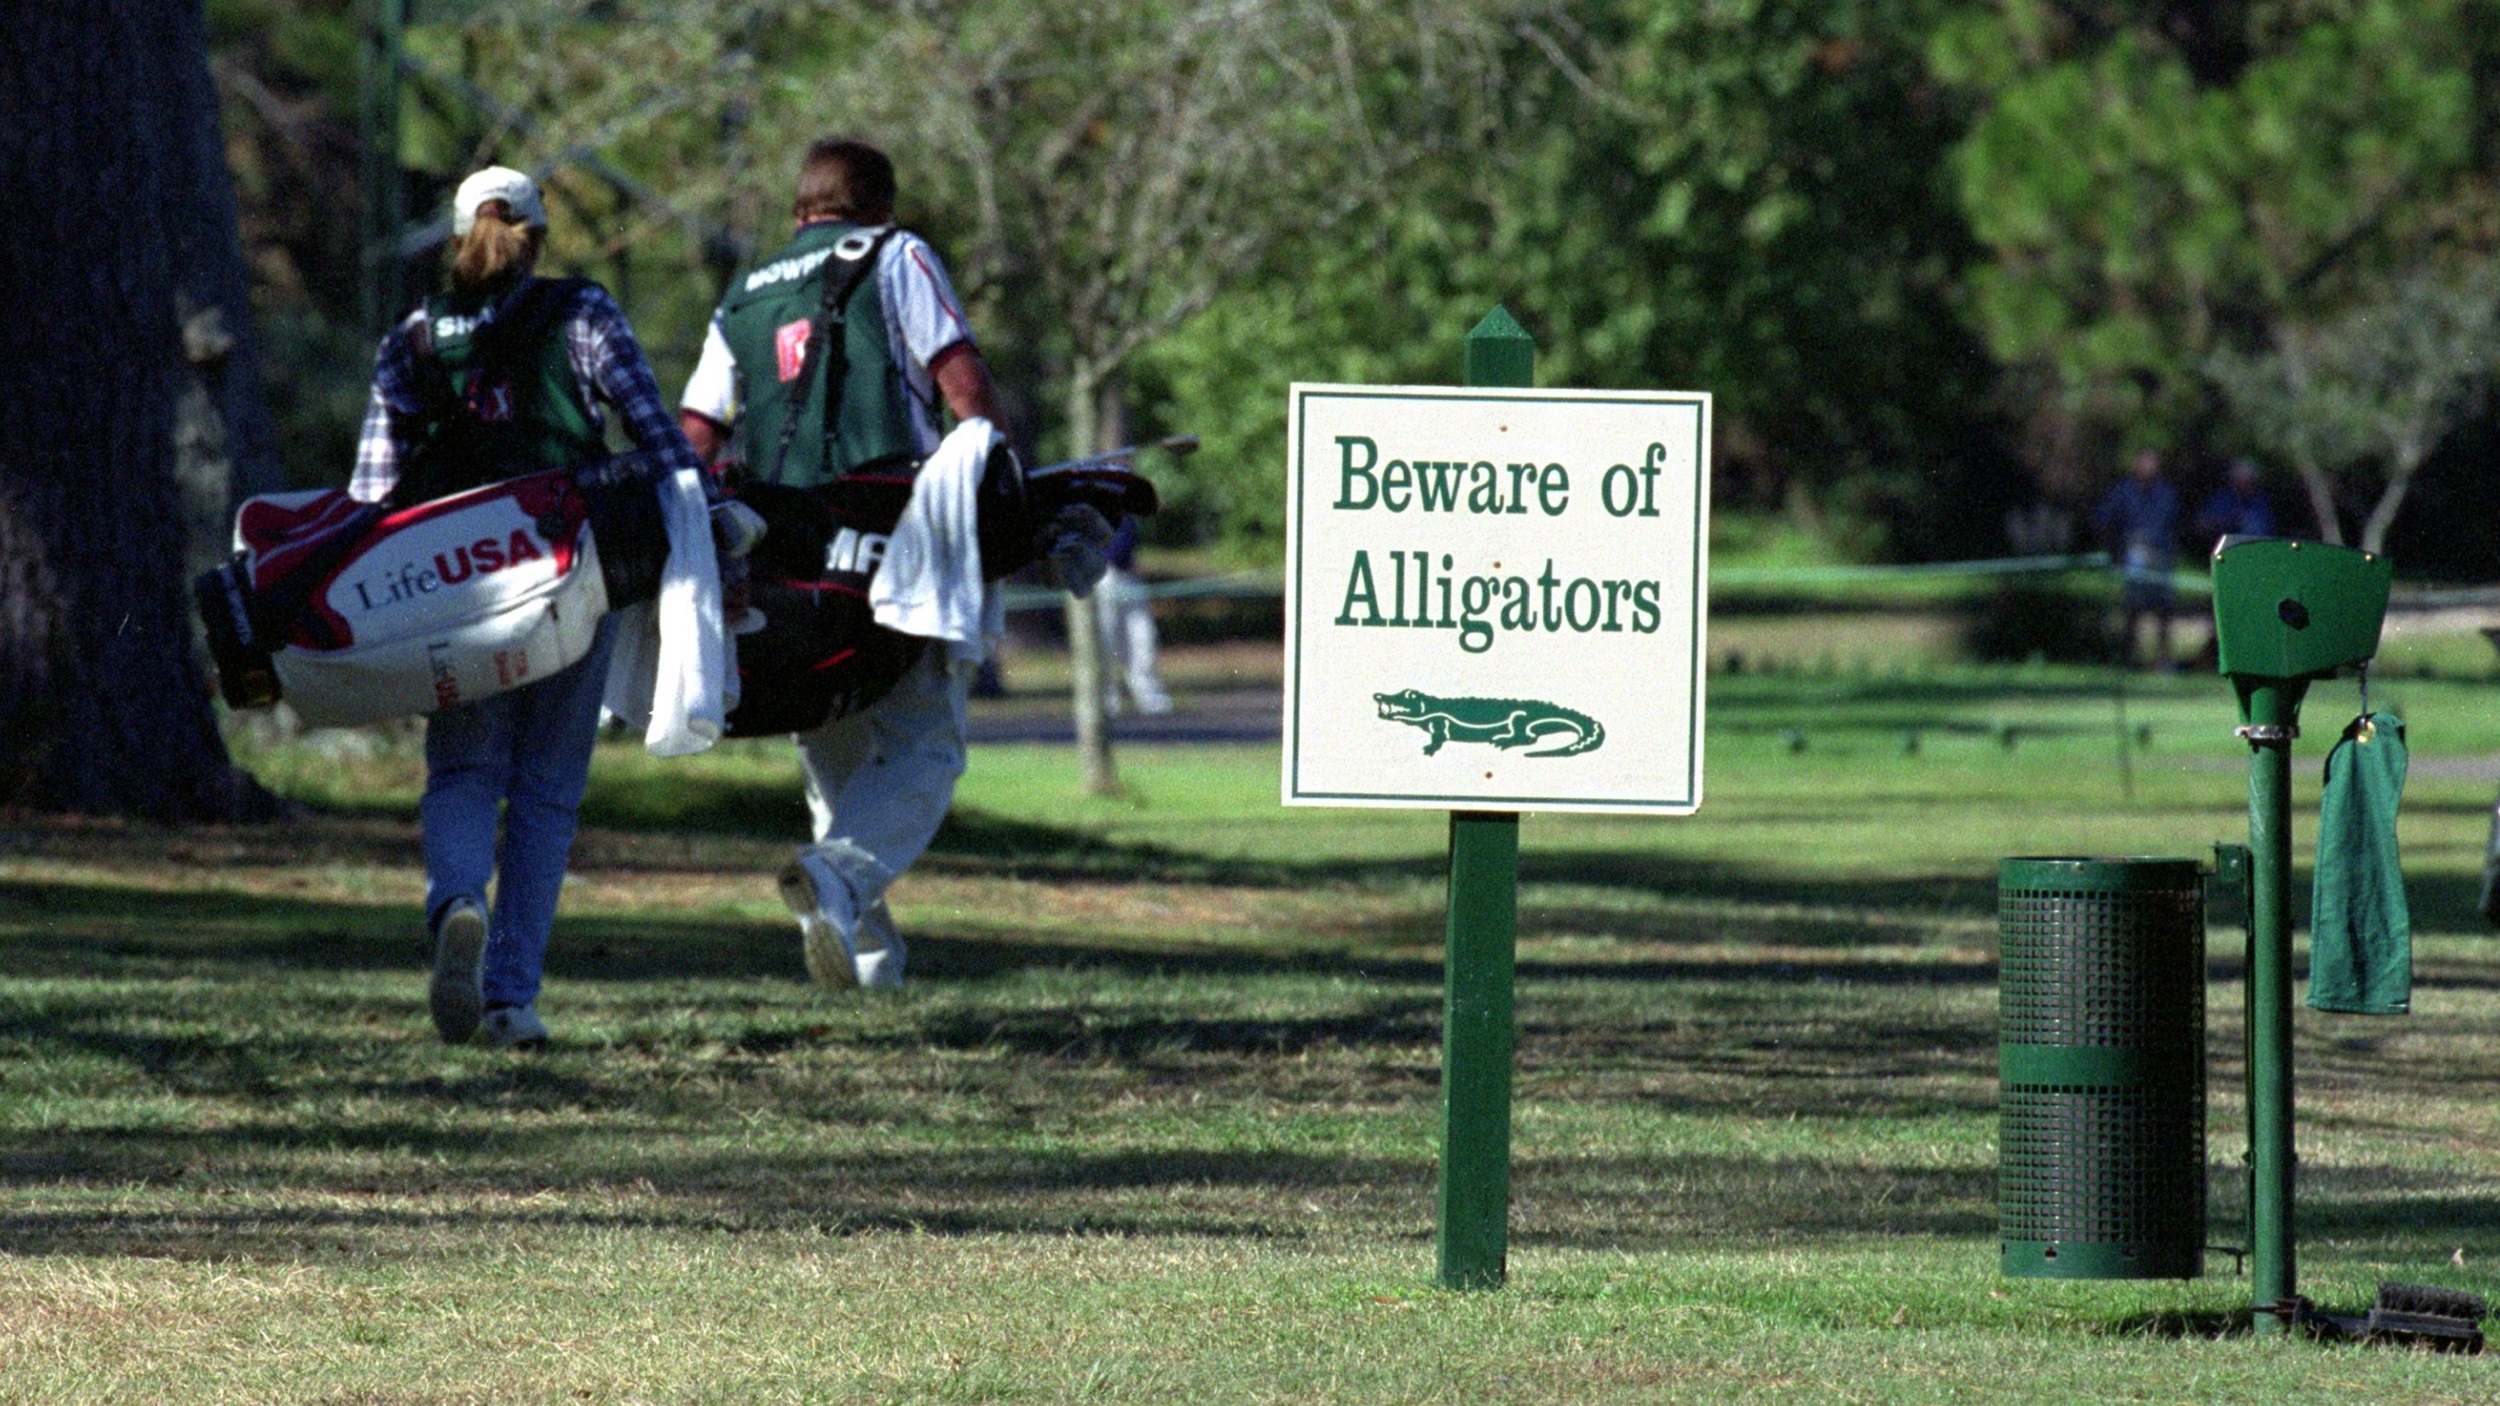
pixel 826 363
pixel 503 376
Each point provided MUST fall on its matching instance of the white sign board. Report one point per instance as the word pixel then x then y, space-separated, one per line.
pixel 1494 599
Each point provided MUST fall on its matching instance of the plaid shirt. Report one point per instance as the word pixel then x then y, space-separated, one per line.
pixel 608 366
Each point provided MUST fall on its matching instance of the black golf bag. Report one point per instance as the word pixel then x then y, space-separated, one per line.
pixel 821 653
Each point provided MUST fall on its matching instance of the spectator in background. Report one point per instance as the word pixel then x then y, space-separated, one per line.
pixel 1126 616
pixel 2239 508
pixel 2139 522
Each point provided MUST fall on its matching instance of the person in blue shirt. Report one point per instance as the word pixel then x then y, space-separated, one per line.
pixel 2239 508
pixel 2140 521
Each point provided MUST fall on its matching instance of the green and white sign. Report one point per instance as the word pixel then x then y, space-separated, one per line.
pixel 1494 599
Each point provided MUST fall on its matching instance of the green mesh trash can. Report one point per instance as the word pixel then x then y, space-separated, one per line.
pixel 2101 1065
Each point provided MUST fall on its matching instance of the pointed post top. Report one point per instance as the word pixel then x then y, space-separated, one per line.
pixel 1500 352
pixel 1499 323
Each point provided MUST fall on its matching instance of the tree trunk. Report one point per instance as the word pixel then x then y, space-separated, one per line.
pixel 2407 461
pixel 225 447
pixel 1095 422
pixel 102 706
pixel 2321 491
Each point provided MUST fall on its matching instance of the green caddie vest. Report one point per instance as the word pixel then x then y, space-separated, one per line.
pixel 503 398
pixel 765 320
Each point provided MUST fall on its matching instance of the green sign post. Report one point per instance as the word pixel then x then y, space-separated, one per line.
pixel 1494 603
pixel 2286 614
pixel 1480 965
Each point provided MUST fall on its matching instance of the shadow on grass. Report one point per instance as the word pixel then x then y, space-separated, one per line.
pixel 974 841
pixel 763 808
pixel 1162 1190
pixel 1117 1118
pixel 79 930
pixel 71 931
pixel 1410 1023
pixel 500 1185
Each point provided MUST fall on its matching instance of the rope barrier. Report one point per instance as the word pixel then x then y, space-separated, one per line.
pixel 1269 584
pixel 1859 575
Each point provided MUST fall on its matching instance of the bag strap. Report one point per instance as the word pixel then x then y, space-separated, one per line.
pixel 822 354
pixel 521 319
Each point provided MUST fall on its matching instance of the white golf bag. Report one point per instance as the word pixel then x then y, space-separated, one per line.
pixel 356 614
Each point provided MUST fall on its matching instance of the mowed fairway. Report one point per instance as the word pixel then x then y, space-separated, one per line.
pixel 1157 1119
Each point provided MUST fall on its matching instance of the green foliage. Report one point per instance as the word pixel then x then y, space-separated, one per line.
pixel 2379 385
pixel 2289 402
pixel 2419 360
pixel 1883 233
pixel 2021 622
pixel 314 41
pixel 288 74
pixel 1746 199
pixel 2144 205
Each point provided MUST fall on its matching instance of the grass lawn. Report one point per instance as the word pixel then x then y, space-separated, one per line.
pixel 1156 1120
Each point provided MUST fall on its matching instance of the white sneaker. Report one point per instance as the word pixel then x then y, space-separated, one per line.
pixel 454 995
pixel 832 959
pixel 880 958
pixel 516 1027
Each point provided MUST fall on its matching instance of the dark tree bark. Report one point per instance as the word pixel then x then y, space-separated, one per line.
pixel 225 444
pixel 103 709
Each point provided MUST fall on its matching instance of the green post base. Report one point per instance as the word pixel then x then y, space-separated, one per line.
pixel 1476 1049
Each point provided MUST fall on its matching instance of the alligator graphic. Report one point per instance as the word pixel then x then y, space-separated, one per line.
pixel 1503 722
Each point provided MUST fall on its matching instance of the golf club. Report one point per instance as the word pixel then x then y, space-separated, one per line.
pixel 1176 445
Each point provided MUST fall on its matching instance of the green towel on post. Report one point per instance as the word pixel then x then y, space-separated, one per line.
pixel 2360 934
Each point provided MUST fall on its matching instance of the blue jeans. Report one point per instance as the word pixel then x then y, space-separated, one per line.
pixel 522 757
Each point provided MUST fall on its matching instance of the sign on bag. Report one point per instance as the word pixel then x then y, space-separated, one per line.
pixel 1495 599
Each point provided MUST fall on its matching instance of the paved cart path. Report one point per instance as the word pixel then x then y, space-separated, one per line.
pixel 1228 715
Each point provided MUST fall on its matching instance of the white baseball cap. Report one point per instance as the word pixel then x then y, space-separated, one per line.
pixel 518 192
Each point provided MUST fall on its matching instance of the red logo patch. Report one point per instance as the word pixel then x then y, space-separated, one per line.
pixel 790 348
pixel 492 402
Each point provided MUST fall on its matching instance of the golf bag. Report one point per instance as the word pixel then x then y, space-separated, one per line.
pixel 355 612
pixel 821 653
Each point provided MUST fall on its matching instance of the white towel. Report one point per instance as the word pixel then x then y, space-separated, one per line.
pixel 930 583
pixel 673 673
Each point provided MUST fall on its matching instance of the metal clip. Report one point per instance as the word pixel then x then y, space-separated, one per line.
pixel 2266 732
